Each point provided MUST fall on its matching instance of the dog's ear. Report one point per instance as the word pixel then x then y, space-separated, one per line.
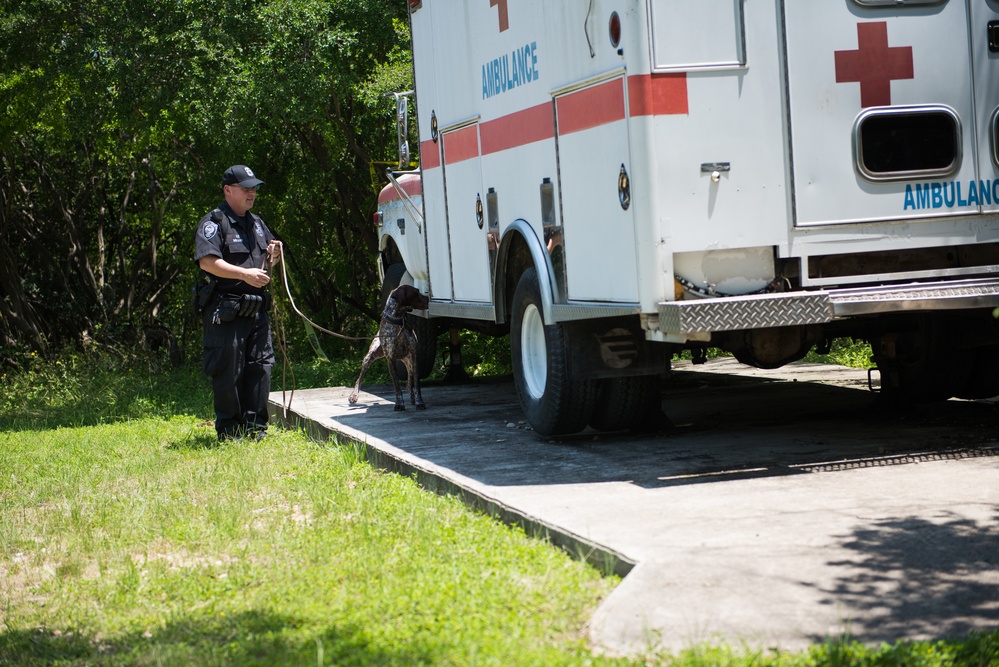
pixel 409 296
pixel 399 293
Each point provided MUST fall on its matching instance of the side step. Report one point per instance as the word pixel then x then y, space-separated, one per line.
pixel 817 307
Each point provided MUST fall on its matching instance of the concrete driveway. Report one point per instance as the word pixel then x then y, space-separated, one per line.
pixel 785 507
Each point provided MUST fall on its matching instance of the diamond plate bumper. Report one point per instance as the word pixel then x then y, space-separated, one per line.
pixel 817 307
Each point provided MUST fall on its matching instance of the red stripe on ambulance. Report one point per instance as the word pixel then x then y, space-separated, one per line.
pixel 461 145
pixel 518 129
pixel 429 157
pixel 591 107
pixel 648 95
pixel 657 95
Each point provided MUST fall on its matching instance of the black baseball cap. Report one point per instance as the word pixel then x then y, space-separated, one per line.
pixel 241 176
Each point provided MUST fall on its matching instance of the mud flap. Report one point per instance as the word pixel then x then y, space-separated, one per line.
pixel 612 347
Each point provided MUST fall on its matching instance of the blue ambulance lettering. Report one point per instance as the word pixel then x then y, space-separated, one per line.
pixel 511 70
pixel 950 194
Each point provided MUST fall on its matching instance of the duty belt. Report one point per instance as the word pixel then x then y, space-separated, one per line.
pixel 231 306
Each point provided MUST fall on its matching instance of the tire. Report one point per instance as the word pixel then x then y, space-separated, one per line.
pixel 554 402
pixel 626 403
pixel 926 366
pixel 425 330
pixel 984 379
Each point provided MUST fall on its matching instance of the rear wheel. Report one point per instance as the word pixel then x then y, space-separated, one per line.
pixel 984 379
pixel 425 329
pixel 626 403
pixel 554 402
pixel 926 365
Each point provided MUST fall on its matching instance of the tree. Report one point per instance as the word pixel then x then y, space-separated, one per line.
pixel 120 117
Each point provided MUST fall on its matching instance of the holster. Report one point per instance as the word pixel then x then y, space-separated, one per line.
pixel 202 294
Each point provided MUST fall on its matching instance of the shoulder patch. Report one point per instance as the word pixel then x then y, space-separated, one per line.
pixel 211 229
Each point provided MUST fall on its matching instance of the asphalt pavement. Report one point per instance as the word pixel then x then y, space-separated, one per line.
pixel 783 508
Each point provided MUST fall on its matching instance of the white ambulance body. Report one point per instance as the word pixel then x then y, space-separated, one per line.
pixel 613 180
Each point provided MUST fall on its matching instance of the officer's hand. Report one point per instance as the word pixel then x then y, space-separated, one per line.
pixel 256 277
pixel 274 252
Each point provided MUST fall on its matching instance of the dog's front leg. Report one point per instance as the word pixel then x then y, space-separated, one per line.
pixel 374 352
pixel 400 404
pixel 413 382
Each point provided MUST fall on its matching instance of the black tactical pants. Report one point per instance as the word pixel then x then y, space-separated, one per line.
pixel 239 356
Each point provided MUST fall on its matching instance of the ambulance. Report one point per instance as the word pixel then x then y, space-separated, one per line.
pixel 612 181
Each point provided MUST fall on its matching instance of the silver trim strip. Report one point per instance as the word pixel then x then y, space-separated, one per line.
pixel 602 77
pixel 462 310
pixel 457 125
pixel 895 3
pixel 561 312
pixel 565 312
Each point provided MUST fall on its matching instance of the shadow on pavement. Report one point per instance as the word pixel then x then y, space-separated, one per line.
pixel 725 427
pixel 914 577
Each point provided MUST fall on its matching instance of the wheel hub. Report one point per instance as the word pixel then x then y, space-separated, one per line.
pixel 534 352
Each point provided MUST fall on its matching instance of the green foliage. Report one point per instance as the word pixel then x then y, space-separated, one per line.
pixel 844 352
pixel 120 117
pixel 483 355
pixel 83 389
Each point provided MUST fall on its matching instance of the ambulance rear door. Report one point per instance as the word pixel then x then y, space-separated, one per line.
pixel 985 61
pixel 883 122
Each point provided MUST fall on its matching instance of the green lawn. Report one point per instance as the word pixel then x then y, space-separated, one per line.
pixel 129 536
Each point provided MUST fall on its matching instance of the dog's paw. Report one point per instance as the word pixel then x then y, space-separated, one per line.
pixel 399 407
pixel 421 406
pixel 352 399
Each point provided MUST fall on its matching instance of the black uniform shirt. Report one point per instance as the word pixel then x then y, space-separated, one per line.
pixel 241 241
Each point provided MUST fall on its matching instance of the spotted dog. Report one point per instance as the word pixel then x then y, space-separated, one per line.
pixel 395 342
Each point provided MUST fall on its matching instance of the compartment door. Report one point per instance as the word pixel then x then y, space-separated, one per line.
pixel 466 229
pixel 598 226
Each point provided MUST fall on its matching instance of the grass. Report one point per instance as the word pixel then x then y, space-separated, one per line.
pixel 129 536
pixel 143 542
pixel 844 352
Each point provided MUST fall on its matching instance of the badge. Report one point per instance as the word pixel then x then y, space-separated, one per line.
pixel 211 229
pixel 258 229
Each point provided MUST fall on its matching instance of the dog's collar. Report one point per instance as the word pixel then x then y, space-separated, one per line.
pixel 392 319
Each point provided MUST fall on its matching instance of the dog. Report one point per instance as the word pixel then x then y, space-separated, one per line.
pixel 395 343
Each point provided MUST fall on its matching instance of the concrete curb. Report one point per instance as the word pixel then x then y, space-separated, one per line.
pixel 440 480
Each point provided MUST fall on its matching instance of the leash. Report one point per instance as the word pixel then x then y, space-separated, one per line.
pixel 284 271
pixel 281 336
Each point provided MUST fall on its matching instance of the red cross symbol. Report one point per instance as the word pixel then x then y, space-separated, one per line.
pixel 874 64
pixel 504 14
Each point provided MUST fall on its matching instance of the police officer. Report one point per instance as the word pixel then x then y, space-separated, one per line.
pixel 236 249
